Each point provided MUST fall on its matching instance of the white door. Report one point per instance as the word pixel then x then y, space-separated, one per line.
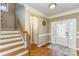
pixel 72 33
pixel 64 33
pixel 61 33
pixel 35 30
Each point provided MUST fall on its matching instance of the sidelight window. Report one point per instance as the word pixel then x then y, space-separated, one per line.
pixel 4 7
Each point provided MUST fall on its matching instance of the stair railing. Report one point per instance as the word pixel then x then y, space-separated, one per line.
pixel 24 34
pixel 25 37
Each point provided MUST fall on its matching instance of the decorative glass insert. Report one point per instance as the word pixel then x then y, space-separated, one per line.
pixel 4 7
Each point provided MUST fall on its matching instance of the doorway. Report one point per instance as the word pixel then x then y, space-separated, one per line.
pixel 34 29
pixel 64 33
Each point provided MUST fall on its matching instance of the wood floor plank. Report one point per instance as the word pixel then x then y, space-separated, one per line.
pixel 44 51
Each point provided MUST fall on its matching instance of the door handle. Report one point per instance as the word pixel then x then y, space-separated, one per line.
pixel 66 33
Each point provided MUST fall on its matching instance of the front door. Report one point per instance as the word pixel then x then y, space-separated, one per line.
pixel 64 33
pixel 61 33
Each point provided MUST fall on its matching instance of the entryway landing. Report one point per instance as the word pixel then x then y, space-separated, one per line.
pixel 63 49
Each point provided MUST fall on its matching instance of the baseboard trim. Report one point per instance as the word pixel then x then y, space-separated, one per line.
pixel 44 43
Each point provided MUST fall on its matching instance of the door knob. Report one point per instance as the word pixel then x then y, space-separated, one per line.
pixel 66 33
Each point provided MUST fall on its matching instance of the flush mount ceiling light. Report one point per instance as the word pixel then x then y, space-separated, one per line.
pixel 52 5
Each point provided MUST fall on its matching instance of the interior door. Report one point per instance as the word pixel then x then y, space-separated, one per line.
pixel 61 33
pixel 35 30
pixel 0 20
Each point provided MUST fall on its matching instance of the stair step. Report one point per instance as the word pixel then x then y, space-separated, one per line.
pixel 9 41
pixel 8 52
pixel 17 52
pixel 22 53
pixel 9 32
pixel 11 38
pixel 5 38
pixel 10 46
pixel 8 36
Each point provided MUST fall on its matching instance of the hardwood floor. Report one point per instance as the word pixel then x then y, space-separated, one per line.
pixel 43 51
pixel 38 51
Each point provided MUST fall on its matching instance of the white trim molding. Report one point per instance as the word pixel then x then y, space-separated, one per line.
pixel 65 13
pixel 44 34
pixel 34 11
pixel 39 13
pixel 44 43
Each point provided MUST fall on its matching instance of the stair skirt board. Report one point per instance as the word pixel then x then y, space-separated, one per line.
pixel 11 50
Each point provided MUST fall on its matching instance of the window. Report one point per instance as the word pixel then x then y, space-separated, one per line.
pixel 4 7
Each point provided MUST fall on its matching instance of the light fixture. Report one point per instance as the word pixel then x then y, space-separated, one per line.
pixel 52 5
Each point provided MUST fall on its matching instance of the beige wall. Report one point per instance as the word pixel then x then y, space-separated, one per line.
pixel 8 18
pixel 75 15
pixel 40 29
pixel 43 30
pixel 20 15
pixel 0 17
pixel 77 29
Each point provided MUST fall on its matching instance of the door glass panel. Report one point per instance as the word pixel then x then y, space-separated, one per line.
pixel 4 7
pixel 61 29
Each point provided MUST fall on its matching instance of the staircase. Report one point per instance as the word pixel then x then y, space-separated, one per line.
pixel 11 44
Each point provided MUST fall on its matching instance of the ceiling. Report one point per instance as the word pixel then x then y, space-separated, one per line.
pixel 61 7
